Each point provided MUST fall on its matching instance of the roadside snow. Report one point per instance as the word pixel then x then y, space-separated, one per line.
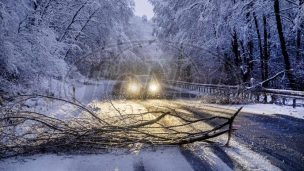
pixel 267 109
pixel 271 109
pixel 167 159
pixel 97 90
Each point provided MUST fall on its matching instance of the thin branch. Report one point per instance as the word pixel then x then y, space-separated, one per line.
pixel 44 133
pixel 72 21
pixel 67 101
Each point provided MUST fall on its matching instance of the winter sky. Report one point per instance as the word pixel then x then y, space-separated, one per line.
pixel 143 7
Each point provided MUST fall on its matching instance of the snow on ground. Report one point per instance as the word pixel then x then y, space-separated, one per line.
pixel 249 160
pixel 271 109
pixel 84 94
pixel 166 159
pixel 95 90
pixel 267 109
pixel 161 158
pixel 264 109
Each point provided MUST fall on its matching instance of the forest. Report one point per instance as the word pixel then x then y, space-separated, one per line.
pixel 258 38
pixel 45 42
pixel 70 85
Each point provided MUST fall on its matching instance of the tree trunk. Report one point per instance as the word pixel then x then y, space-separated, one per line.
pixel 235 48
pixel 283 44
pixel 299 32
pixel 260 47
pixel 298 55
pixel 266 51
pixel 251 63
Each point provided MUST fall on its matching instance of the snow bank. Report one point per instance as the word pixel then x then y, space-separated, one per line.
pixel 271 109
pixel 268 109
pixel 97 90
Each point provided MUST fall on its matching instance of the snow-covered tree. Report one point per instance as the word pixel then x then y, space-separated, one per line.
pixel 244 33
pixel 41 39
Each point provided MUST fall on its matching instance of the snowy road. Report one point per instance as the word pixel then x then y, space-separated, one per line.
pixel 265 141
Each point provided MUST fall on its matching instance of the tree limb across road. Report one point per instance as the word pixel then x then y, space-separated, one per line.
pixel 27 130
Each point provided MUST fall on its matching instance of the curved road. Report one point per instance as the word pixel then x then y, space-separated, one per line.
pixel 279 139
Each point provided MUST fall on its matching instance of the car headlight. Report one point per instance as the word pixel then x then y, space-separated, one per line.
pixel 133 87
pixel 153 87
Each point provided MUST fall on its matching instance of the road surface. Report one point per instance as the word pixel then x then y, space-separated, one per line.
pixel 262 142
pixel 276 140
pixel 279 139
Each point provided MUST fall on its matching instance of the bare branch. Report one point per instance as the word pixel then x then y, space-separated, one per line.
pixel 38 132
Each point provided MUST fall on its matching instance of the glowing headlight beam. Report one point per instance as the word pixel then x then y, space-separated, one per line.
pixel 153 87
pixel 133 87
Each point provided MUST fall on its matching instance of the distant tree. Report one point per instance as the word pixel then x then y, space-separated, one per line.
pixel 40 40
pixel 283 44
pixel 144 18
pixel 248 24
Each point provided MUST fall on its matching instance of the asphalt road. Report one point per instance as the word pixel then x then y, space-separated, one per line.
pixel 278 138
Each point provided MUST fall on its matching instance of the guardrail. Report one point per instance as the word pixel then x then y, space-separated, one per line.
pixel 242 91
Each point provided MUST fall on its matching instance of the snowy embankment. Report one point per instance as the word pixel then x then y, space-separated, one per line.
pixel 272 109
pixel 93 90
pixel 258 108
pixel 82 92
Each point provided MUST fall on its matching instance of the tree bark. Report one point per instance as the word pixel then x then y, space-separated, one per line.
pixel 266 51
pixel 251 63
pixel 260 47
pixel 299 33
pixel 298 55
pixel 283 44
pixel 250 46
pixel 235 48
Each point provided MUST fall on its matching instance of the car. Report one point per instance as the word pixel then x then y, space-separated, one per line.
pixel 142 86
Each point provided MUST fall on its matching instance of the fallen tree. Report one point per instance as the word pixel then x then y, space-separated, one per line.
pixel 29 129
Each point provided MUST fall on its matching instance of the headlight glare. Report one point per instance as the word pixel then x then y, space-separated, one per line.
pixel 153 87
pixel 133 87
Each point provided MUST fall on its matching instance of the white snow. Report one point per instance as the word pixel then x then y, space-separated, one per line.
pixel 271 109
pixel 160 158
pixel 257 108
pixel 169 159
pixel 95 90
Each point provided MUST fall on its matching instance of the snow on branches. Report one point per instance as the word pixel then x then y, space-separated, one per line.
pixel 34 124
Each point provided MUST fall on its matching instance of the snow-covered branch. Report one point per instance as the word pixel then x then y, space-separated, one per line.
pixel 26 131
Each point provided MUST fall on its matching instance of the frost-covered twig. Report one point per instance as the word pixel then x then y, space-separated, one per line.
pixel 26 131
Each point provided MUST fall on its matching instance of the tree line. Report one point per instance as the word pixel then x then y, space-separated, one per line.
pixel 43 39
pixel 258 38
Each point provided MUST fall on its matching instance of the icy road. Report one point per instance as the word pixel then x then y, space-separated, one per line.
pixel 269 138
